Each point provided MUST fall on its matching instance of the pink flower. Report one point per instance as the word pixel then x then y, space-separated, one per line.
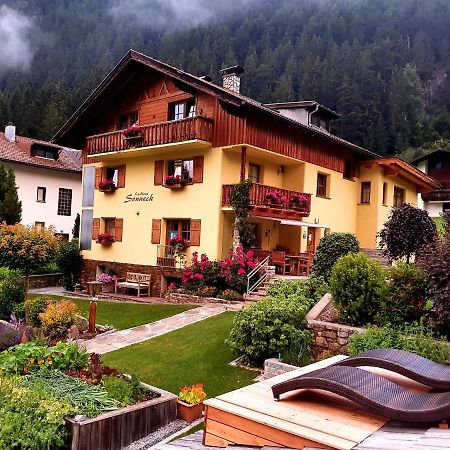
pixel 241 272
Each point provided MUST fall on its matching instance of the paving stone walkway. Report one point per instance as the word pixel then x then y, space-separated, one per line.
pixel 108 342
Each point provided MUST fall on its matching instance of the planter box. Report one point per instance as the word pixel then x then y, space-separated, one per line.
pixel 105 243
pixel 108 189
pixel 189 412
pixel 174 186
pixel 134 138
pixel 118 429
pixel 108 287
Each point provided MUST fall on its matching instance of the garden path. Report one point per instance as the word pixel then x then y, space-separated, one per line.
pixel 108 342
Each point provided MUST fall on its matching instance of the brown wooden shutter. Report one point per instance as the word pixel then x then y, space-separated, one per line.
pixel 159 173
pixel 95 228
pixel 195 231
pixel 121 176
pixel 156 231
pixel 197 176
pixel 118 230
pixel 98 176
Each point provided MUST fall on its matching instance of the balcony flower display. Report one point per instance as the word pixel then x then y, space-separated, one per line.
pixel 107 186
pixel 133 132
pixel 174 181
pixel 276 199
pixel 105 239
pixel 179 243
pixel 299 201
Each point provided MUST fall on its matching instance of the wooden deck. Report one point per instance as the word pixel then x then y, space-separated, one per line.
pixel 303 419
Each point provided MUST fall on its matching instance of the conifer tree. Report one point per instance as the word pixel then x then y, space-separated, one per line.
pixel 10 205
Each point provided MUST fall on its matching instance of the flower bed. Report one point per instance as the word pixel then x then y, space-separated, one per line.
pixel 41 386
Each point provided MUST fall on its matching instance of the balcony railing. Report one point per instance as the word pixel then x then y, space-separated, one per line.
pixel 166 256
pixel 258 201
pixel 191 128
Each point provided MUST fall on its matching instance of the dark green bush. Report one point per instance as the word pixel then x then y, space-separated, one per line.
pixel 415 339
pixel 406 295
pixel 69 261
pixel 35 306
pixel 358 287
pixel 331 247
pixel 12 293
pixel 267 328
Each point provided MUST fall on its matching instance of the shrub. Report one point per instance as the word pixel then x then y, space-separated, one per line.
pixel 231 296
pixel 25 357
pixel 435 262
pixel 35 306
pixel 406 295
pixel 331 247
pixel 357 286
pixel 12 293
pixel 413 339
pixel 69 261
pixel 57 318
pixel 268 327
pixel 407 230
pixel 202 272
pixel 207 291
pixel 235 268
pixel 31 419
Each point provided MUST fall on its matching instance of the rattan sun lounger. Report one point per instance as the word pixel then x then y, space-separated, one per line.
pixel 373 393
pixel 407 364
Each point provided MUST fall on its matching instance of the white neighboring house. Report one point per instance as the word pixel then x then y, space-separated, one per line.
pixel 48 178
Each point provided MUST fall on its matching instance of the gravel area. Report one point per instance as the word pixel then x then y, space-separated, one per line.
pixel 158 435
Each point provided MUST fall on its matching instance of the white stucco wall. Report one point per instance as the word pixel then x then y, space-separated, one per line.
pixel 434 208
pixel 28 178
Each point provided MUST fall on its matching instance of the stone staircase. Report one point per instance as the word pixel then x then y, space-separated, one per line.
pixel 261 292
pixel 377 255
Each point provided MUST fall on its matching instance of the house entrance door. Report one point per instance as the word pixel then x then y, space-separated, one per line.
pixel 311 241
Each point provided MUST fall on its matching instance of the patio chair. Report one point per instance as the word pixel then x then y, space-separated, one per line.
pixel 410 365
pixel 373 393
pixel 279 260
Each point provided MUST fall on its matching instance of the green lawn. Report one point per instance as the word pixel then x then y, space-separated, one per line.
pixel 127 315
pixel 193 354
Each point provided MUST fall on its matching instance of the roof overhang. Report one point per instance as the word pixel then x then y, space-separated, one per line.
pixel 397 167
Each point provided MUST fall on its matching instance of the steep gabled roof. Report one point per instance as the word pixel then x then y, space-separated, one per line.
pixel 426 156
pixel 19 152
pixel 225 95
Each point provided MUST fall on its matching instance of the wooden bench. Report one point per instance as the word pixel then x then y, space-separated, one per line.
pixel 138 281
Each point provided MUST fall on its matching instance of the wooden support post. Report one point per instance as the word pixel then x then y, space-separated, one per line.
pixel 92 316
pixel 243 162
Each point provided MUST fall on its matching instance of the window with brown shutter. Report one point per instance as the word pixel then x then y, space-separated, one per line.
pixel 118 230
pixel 159 173
pixel 156 231
pixel 198 169
pixel 95 228
pixel 121 176
pixel 98 176
pixel 195 231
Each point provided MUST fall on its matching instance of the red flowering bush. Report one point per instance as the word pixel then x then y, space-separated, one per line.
pixel 276 198
pixel 236 267
pixel 202 272
pixel 299 201
pixel 133 131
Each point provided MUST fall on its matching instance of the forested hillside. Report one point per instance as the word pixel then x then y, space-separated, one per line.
pixel 383 64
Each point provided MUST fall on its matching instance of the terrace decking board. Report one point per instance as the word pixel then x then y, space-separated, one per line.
pixel 250 416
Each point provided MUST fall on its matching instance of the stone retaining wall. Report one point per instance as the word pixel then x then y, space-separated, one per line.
pixel 330 338
pixel 44 280
pixel 177 297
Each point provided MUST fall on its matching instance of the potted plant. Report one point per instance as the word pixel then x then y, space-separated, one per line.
pixel 105 239
pixel 299 202
pixel 190 402
pixel 107 281
pixel 173 182
pixel 107 186
pixel 133 133
pixel 179 244
pixel 274 199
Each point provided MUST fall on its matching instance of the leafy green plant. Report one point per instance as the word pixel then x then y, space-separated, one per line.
pixel 267 327
pixel 35 306
pixel 358 287
pixel 192 394
pixel 413 338
pixel 331 247
pixel 407 230
pixel 406 295
pixel 123 391
pixel 12 293
pixel 23 358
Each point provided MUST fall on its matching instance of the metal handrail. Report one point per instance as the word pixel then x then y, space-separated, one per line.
pixel 264 263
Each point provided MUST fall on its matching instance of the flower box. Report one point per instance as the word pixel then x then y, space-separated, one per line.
pixel 105 239
pixel 136 137
pixel 174 186
pixel 107 186
pixel 107 189
pixel 188 412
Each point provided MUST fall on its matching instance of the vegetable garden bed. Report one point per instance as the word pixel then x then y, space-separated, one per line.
pixel 117 429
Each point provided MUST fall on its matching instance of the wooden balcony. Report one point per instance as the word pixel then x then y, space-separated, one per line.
pixel 174 131
pixel 261 207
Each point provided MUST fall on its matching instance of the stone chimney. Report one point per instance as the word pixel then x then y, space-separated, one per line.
pixel 10 132
pixel 231 77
